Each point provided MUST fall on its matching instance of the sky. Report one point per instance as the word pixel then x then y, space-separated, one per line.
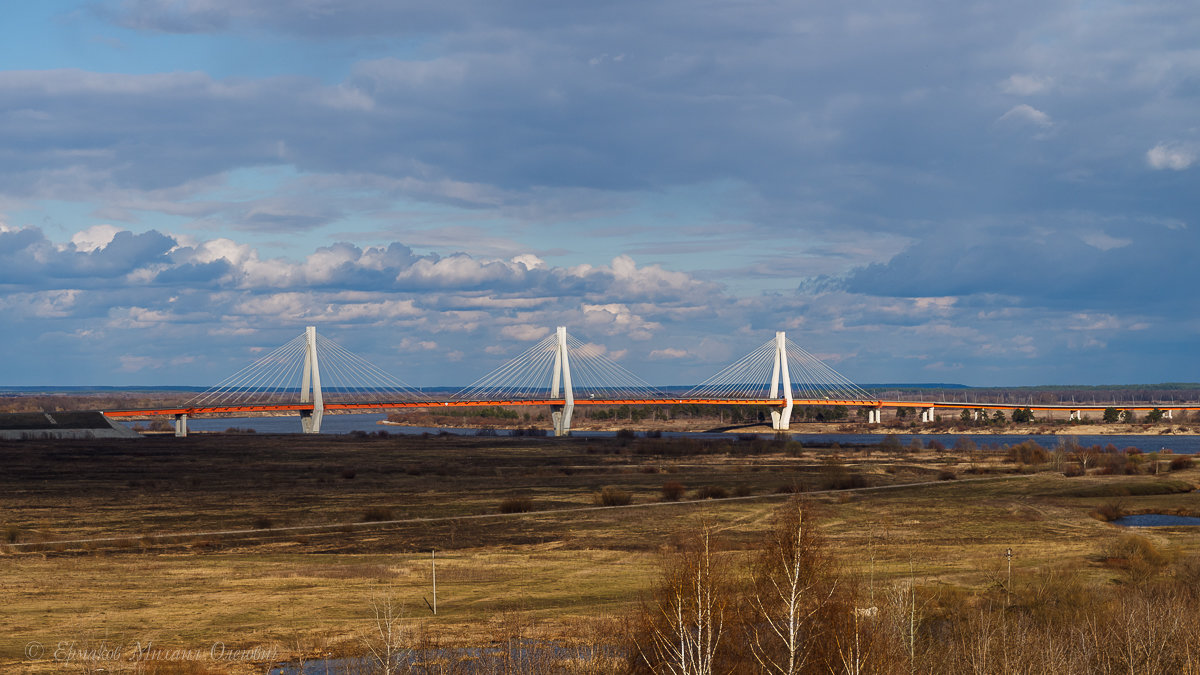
pixel 970 192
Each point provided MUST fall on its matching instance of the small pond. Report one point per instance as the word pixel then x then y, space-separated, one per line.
pixel 1156 520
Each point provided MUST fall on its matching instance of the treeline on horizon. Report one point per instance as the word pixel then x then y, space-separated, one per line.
pixel 1169 392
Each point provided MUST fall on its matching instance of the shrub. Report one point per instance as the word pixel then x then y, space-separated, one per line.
pixel 840 479
pixel 947 474
pixel 516 505
pixel 611 495
pixel 964 445
pixel 348 474
pixel 1137 556
pixel 263 523
pixel 1109 511
pixel 376 514
pixel 626 434
pixel 1180 463
pixel 712 492
pixel 529 431
pixel 672 491
pixel 1116 463
pixel 742 491
pixel 1027 453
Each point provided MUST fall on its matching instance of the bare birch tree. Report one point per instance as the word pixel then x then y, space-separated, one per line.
pixel 686 618
pixel 792 584
pixel 385 642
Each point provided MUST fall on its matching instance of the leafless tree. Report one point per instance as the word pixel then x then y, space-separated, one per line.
pixel 684 622
pixel 793 582
pixel 1087 456
pixel 386 640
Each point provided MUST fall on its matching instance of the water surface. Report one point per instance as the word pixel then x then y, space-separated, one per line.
pixel 344 424
pixel 1156 520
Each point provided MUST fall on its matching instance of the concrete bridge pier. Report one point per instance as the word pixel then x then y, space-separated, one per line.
pixel 927 415
pixel 310 423
pixel 1074 416
pixel 874 416
pixel 562 422
pixel 181 425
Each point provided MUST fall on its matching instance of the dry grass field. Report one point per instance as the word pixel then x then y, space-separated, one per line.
pixel 288 544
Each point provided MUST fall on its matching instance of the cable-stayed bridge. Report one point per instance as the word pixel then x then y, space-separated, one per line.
pixel 311 375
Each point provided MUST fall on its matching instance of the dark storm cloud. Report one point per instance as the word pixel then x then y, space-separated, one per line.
pixel 882 112
pixel 1080 266
pixel 944 140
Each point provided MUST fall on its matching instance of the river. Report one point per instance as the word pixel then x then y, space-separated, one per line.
pixel 344 424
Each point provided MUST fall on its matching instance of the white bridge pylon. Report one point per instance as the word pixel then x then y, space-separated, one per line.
pixel 310 387
pixel 309 369
pixel 783 371
pixel 561 374
pixel 780 419
pixel 312 375
pixel 558 370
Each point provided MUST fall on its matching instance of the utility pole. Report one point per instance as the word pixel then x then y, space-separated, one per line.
pixel 1008 596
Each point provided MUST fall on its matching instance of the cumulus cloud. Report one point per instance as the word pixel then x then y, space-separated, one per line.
pixel 159 284
pixel 1170 156
pixel 617 318
pixel 97 236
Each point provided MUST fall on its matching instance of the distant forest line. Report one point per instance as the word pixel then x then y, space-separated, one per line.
pixel 1170 392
